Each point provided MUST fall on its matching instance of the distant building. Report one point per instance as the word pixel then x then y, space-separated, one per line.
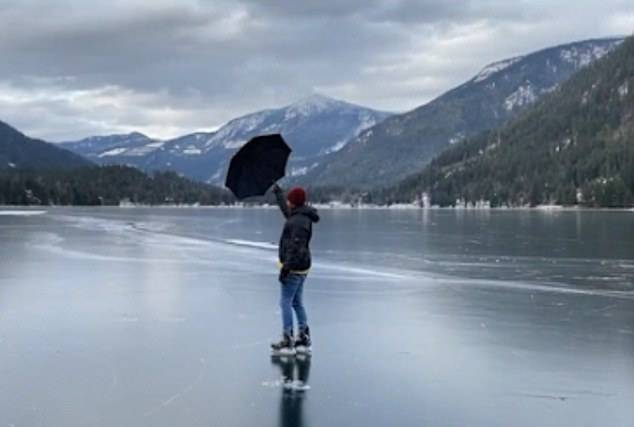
pixel 579 196
pixel 483 204
pixel 425 201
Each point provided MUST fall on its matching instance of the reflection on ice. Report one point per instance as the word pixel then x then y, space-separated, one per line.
pixel 295 372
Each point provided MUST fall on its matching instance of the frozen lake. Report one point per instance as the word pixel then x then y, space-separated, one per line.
pixel 162 317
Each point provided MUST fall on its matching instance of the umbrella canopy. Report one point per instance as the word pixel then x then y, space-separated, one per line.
pixel 257 166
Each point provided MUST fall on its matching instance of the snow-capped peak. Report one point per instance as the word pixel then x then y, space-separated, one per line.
pixel 121 136
pixel 136 134
pixel 495 67
pixel 310 105
pixel 316 99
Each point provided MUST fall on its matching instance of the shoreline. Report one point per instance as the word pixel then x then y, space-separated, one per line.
pixel 541 208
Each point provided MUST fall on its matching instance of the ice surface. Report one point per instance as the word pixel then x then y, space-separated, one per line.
pixel 163 317
pixel 253 244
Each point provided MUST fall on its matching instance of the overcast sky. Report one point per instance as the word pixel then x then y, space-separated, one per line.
pixel 74 68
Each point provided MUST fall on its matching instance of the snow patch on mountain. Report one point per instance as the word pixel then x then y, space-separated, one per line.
pixel 310 105
pixel 495 67
pixel 366 121
pixel 300 171
pixel 338 146
pixel 524 95
pixel 215 177
pixel 365 136
pixel 192 151
pixel 230 135
pixel 246 124
pixel 582 56
pixel 145 149
pixel 234 144
pixel 624 90
pixel 134 144
pixel 460 136
pixel 113 152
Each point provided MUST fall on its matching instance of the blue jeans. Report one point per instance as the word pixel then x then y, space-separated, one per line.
pixel 291 299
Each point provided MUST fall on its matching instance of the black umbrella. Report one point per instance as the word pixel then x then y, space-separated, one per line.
pixel 257 165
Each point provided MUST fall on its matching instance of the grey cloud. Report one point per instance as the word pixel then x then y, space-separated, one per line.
pixel 208 61
pixel 401 11
pixel 311 8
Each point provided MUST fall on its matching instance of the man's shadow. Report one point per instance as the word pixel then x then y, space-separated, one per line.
pixel 295 372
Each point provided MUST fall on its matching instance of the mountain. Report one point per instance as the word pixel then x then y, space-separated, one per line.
pixel 18 151
pixel 575 146
pixel 405 143
pixel 314 127
pixel 130 148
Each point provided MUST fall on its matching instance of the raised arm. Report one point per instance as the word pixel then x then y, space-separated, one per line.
pixel 281 201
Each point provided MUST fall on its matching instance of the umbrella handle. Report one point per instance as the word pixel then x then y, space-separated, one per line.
pixel 277 188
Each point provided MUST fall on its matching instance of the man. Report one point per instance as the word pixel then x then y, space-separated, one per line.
pixel 295 262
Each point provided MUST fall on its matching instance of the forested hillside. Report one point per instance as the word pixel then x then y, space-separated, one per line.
pixel 403 144
pixel 107 185
pixel 576 146
pixel 18 151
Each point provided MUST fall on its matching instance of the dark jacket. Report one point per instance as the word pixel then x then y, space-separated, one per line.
pixel 294 249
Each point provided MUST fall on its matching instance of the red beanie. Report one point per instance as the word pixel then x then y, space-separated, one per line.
pixel 297 196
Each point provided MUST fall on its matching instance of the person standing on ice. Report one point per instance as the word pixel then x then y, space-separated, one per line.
pixel 295 262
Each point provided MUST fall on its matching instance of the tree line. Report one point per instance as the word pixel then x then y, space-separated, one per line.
pixel 105 185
